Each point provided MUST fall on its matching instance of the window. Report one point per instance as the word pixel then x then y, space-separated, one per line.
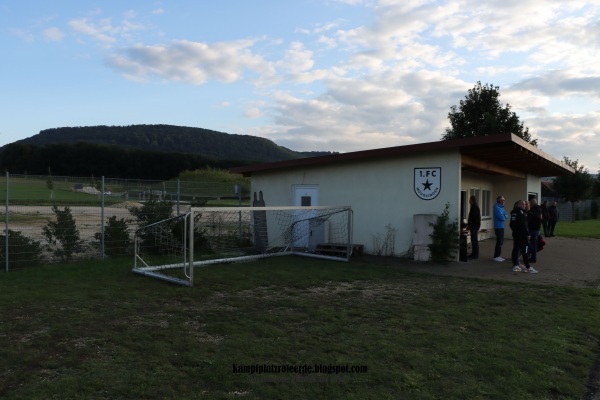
pixel 475 192
pixel 483 197
pixel 463 204
pixel 486 196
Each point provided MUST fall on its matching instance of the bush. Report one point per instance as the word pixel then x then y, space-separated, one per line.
pixel 444 238
pixel 117 241
pixel 23 251
pixel 151 212
pixel 62 234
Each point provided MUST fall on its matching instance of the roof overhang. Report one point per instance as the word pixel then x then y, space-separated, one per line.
pixel 504 154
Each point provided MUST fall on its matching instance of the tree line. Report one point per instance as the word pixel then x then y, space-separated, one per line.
pixel 88 159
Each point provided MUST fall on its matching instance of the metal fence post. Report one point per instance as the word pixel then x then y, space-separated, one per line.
pixel 6 230
pixel 178 196
pixel 102 219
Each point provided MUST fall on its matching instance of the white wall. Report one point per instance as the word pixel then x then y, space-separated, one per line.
pixel 381 192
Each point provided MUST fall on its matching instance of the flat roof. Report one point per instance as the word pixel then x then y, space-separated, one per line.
pixel 506 151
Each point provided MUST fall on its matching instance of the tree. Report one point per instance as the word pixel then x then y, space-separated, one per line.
pixel 63 234
pixel 152 211
pixel 482 114
pixel 117 241
pixel 574 187
pixel 444 238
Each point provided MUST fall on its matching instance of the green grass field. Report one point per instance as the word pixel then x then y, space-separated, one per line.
pixel 34 191
pixel 96 330
pixel 586 228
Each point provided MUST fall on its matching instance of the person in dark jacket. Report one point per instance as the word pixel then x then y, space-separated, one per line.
pixel 534 220
pixel 520 234
pixel 473 224
pixel 545 216
pixel 552 218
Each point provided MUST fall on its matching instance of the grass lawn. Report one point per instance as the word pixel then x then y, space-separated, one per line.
pixel 585 228
pixel 96 330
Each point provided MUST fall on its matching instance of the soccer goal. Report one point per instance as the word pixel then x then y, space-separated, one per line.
pixel 171 249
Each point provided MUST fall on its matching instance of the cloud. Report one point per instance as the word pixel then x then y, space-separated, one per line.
pixel 392 81
pixel 562 83
pixel 53 34
pixel 193 62
pixel 104 31
pixel 23 34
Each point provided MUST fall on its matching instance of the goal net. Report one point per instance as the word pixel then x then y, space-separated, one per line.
pixel 170 249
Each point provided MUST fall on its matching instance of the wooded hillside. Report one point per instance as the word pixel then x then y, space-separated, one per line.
pixel 137 151
pixel 172 139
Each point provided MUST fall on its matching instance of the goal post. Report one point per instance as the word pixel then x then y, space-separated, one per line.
pixel 233 234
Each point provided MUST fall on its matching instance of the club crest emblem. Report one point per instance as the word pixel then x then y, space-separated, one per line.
pixel 428 182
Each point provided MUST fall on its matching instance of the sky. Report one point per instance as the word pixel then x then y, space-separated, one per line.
pixel 310 75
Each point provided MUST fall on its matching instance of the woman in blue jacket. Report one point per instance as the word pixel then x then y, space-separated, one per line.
pixel 499 217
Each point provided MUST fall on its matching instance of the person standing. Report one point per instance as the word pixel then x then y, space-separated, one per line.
pixel 473 224
pixel 499 217
pixel 520 234
pixel 545 216
pixel 534 220
pixel 552 218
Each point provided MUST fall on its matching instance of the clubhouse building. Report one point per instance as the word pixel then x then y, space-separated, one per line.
pixel 401 189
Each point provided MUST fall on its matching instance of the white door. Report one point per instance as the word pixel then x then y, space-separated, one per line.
pixel 304 196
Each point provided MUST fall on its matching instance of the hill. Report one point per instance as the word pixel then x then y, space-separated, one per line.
pixel 172 139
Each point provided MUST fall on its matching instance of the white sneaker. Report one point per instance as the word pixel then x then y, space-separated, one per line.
pixel 516 268
pixel 498 259
pixel 531 270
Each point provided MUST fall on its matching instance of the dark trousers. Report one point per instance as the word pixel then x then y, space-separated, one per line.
pixel 545 224
pixel 474 243
pixel 499 241
pixel 533 244
pixel 520 247
pixel 551 226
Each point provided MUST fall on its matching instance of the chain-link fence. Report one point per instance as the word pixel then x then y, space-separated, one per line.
pixel 59 219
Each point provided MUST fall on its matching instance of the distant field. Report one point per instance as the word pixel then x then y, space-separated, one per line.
pixel 34 191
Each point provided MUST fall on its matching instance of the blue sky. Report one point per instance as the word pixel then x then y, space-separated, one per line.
pixel 335 75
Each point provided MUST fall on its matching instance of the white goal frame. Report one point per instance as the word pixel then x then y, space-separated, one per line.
pixel 301 231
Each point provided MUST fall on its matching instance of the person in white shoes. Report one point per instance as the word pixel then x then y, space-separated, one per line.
pixel 499 217
pixel 521 237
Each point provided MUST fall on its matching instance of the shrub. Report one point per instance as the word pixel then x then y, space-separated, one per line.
pixel 117 241
pixel 149 213
pixel 444 238
pixel 152 211
pixel 23 251
pixel 62 234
